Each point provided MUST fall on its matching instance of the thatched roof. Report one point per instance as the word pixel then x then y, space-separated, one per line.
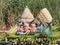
pixel 27 16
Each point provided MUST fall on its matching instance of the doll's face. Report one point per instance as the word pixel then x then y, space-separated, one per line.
pixel 33 25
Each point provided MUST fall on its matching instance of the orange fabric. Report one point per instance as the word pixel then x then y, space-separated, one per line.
pixel 3 28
